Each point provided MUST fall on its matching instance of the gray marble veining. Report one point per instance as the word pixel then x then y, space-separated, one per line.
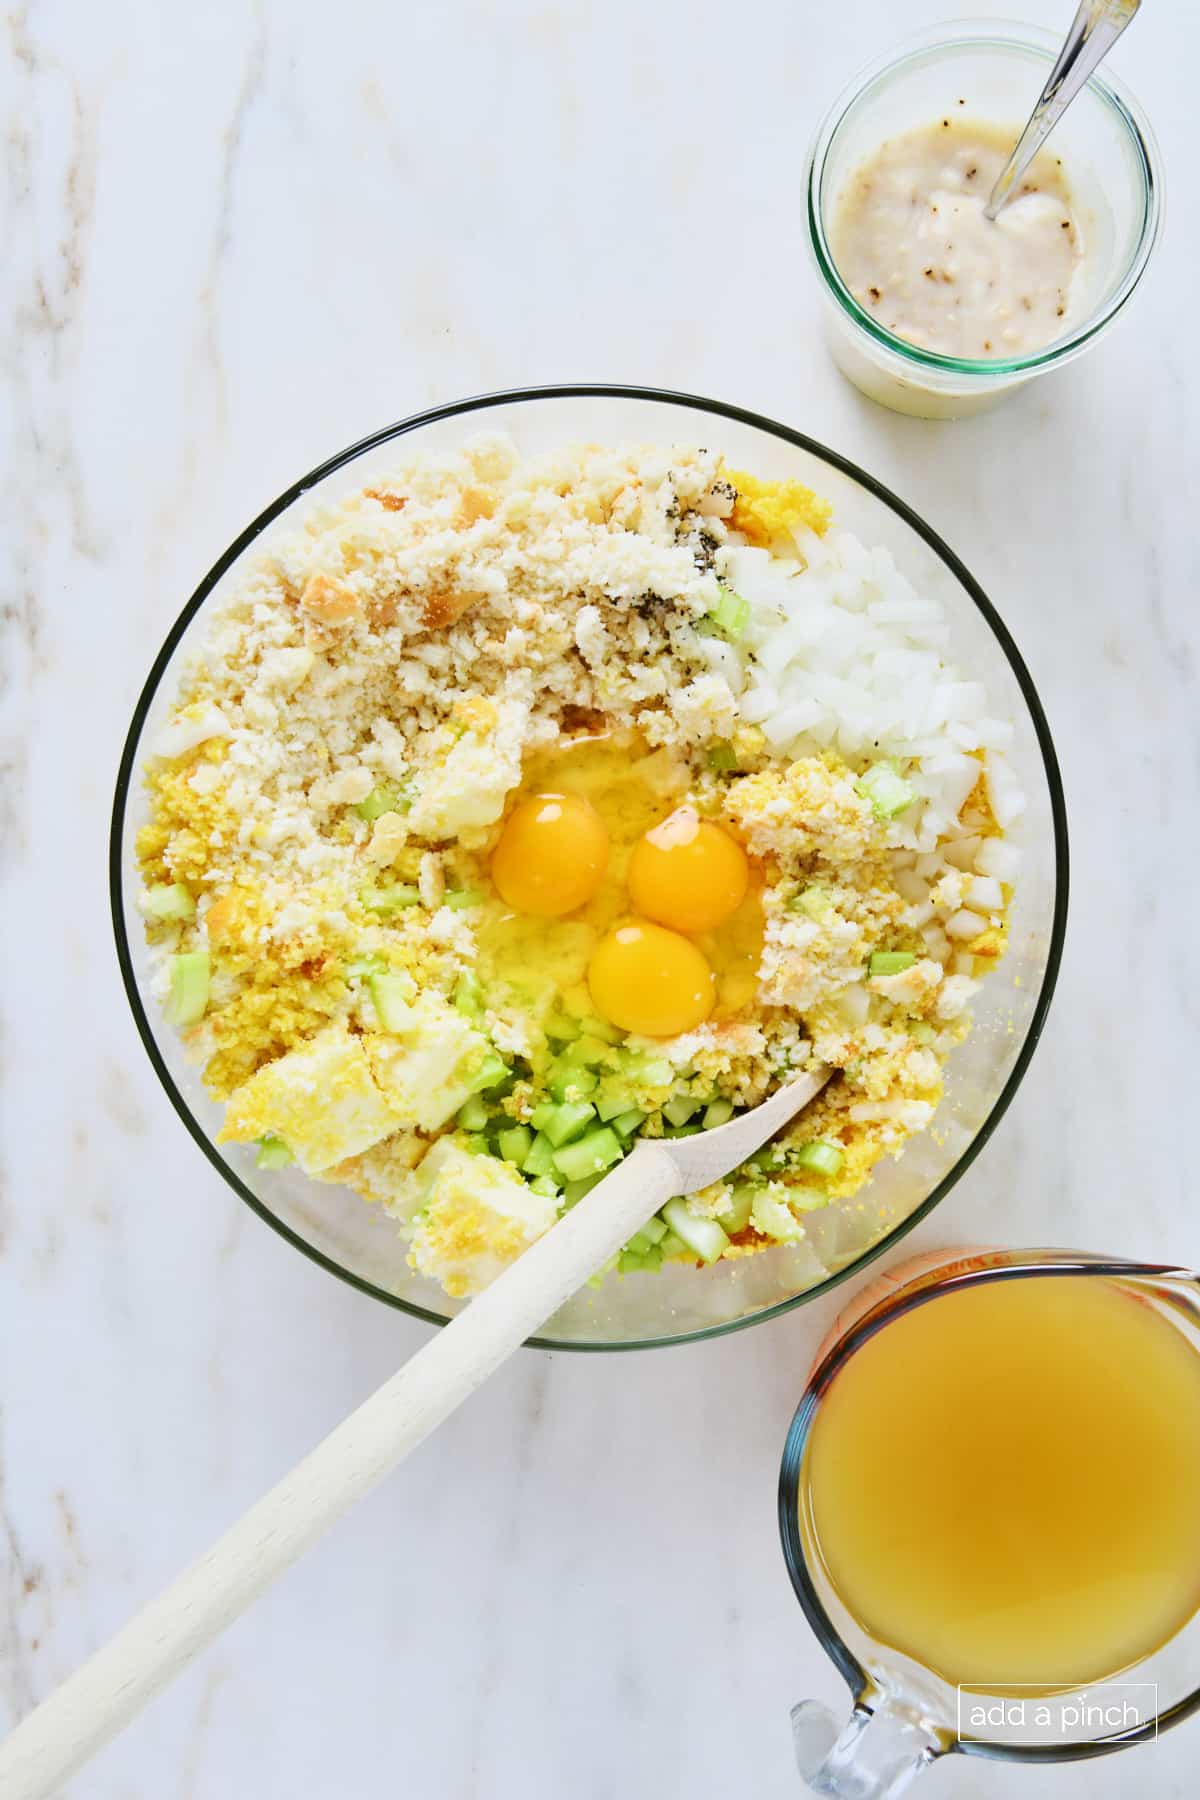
pixel 236 237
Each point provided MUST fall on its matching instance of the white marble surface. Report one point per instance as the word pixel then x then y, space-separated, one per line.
pixel 236 237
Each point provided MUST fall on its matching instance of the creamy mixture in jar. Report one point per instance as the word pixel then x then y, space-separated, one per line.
pixel 912 244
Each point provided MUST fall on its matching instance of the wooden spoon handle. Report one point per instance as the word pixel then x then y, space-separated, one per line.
pixel 102 1696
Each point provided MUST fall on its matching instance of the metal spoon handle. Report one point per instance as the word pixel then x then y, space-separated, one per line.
pixel 1094 30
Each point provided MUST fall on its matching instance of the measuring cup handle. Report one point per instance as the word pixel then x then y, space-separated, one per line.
pixel 877 1754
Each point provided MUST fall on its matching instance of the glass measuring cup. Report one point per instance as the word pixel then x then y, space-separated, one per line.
pixel 904 1716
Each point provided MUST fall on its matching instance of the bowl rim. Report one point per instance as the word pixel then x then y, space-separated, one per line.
pixel 996 34
pixel 575 391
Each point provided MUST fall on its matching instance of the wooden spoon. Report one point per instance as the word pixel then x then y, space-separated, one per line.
pixel 101 1697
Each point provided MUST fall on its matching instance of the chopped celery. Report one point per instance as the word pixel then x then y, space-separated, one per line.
pixel 590 1052
pixel 681 1131
pixel 717 1112
pixel 546 1185
pixel 390 995
pixel 575 1190
pixel 478 1145
pixel 769 1157
pixel 610 1107
pixel 473 1114
pixel 188 998
pixel 542 1113
pixel 679 1109
pixel 886 789
pixel 515 1144
pixel 774 1219
pixel 595 1027
pixel 384 797
pixel 626 1123
pixel 540 1160
pixel 823 1157
pixel 650 1071
pixel 567 1121
pixel 890 962
pixel 590 1155
pixel 458 899
pixel 672 1246
pixel 646 1262
pixel 273 1153
pixel 388 900
pixel 490 1073
pixel 654 1229
pixel 639 1243
pixel 468 996
pixel 359 967
pixel 731 614
pixel 704 1236
pixel 170 901
pixel 573 1084
pixel 561 1028
pixel 807 1199
pixel 736 1216
pixel 722 757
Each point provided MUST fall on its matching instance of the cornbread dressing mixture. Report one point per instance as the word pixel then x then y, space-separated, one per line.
pixel 911 242
pixel 514 810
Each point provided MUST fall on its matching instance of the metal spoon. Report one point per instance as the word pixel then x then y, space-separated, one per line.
pixel 1094 30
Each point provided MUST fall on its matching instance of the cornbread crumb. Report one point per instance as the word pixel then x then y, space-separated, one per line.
pixel 333 777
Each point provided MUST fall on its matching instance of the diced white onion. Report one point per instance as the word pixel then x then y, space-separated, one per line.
pixel 782 726
pixel 841 651
pixel 1004 792
pixel 758 704
pixel 999 859
pixel 961 854
pixel 985 893
pixel 909 885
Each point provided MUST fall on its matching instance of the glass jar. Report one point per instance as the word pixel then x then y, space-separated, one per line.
pixel 1110 159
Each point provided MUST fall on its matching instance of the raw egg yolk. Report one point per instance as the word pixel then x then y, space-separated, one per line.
pixel 551 856
pixel 651 981
pixel 687 873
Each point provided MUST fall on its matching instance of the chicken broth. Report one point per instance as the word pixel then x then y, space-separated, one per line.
pixel 1004 1483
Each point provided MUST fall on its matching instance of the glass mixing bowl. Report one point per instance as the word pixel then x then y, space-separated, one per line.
pixel 360 1243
